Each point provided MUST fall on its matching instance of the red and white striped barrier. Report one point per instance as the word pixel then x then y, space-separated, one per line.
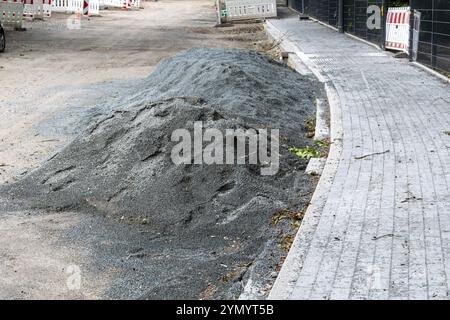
pixel 85 7
pixel 397 29
pixel 11 13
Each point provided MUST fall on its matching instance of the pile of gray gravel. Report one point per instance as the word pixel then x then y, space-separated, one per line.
pixel 120 167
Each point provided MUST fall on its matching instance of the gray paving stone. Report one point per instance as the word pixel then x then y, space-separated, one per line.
pixel 383 230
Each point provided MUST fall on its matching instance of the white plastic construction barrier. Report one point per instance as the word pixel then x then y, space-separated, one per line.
pixel 397 29
pixel 94 7
pixel 135 4
pixel 11 13
pixel 60 6
pixel 121 3
pixel 113 3
pixel 75 6
pixel 37 9
pixel 29 8
pixel 68 6
pixel 250 9
pixel 47 8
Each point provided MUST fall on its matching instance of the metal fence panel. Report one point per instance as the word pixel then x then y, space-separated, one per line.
pixel 355 20
pixel 434 36
pixel 355 15
pixel 323 10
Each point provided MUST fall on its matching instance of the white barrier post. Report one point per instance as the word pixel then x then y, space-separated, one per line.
pixel 416 34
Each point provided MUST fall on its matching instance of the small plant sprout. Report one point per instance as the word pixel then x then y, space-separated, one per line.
pixel 305 152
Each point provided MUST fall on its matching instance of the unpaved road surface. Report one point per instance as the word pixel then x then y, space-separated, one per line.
pixel 48 75
pixel 50 70
pixel 50 78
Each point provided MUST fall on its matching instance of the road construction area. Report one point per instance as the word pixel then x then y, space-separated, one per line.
pixel 92 205
pixel 53 67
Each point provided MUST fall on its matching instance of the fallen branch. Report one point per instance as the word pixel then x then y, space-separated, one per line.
pixel 372 154
pixel 276 42
pixel 383 236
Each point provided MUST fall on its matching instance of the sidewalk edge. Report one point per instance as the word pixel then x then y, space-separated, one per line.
pixel 287 278
pixel 431 71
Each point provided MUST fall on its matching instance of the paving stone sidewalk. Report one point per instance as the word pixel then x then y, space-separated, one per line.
pixel 384 229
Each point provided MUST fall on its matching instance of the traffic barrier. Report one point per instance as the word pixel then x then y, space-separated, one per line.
pixel 94 7
pixel 37 9
pixel 124 4
pixel 134 4
pixel 85 7
pixel 47 8
pixel 76 6
pixel 113 3
pixel 28 8
pixel 60 6
pixel 397 29
pixel 11 13
pixel 249 9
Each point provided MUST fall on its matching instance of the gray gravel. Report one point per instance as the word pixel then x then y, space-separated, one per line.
pixel 212 219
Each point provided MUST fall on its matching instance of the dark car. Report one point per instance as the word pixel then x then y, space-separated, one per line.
pixel 2 39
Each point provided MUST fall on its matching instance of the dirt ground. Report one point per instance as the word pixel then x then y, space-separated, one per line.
pixel 48 75
pixel 50 68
